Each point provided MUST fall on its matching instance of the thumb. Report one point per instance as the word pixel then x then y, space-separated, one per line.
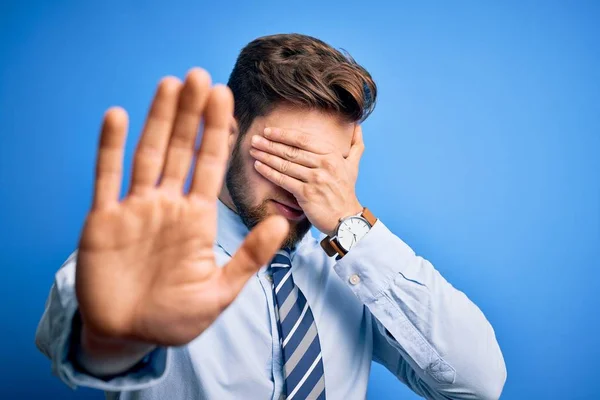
pixel 258 249
pixel 357 147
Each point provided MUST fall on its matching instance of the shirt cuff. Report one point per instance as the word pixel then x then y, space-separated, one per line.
pixel 149 371
pixel 367 282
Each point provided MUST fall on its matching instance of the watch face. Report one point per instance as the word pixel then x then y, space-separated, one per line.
pixel 351 230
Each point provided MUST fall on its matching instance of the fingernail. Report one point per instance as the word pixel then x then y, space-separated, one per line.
pixel 255 139
pixel 267 131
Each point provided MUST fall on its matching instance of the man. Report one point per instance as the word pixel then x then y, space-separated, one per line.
pixel 220 291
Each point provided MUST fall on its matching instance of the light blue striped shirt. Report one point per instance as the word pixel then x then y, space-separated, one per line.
pixel 379 303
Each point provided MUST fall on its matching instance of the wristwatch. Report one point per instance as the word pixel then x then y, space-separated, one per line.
pixel 348 232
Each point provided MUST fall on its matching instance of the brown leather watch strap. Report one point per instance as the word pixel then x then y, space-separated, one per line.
pixel 368 215
pixel 328 247
pixel 331 247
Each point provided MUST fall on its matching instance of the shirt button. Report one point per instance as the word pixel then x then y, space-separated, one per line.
pixel 269 278
pixel 354 279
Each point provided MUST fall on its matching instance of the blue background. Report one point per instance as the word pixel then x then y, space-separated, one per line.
pixel 482 154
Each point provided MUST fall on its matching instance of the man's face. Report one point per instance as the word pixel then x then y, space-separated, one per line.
pixel 254 196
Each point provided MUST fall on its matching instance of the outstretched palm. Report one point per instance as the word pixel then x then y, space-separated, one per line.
pixel 146 268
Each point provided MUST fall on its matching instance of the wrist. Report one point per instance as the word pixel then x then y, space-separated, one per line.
pixel 103 356
pixel 97 345
pixel 354 209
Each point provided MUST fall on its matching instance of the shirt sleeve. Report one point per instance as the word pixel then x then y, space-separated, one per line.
pixel 54 338
pixel 426 332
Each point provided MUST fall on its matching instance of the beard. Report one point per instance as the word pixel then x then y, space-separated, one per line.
pixel 243 199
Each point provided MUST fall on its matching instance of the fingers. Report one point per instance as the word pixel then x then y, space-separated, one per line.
pixel 109 164
pixel 180 150
pixel 214 149
pixel 150 153
pixel 284 166
pixel 291 137
pixel 291 153
pixel 257 250
pixel 357 147
pixel 282 180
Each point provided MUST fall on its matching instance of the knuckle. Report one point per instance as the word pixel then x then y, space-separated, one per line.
pixel 303 139
pixel 292 153
pixel 268 172
pixel 295 152
pixel 281 179
pixel 285 166
pixel 318 177
pixel 328 165
pixel 308 191
pixel 179 141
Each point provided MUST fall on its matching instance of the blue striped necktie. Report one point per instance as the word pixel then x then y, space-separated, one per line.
pixel 303 366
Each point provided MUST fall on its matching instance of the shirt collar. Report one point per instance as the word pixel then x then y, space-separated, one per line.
pixel 231 231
